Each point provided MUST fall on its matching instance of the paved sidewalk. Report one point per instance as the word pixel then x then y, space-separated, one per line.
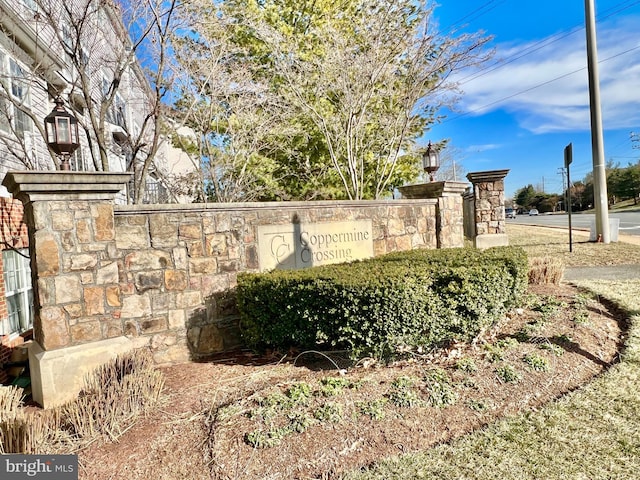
pixel 618 272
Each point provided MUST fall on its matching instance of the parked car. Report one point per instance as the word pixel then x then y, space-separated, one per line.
pixel 533 211
pixel 510 212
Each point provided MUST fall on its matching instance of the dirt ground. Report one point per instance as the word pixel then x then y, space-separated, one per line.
pixel 249 417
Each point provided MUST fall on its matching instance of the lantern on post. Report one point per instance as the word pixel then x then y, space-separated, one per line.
pixel 431 160
pixel 61 129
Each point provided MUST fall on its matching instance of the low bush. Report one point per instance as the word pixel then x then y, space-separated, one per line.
pixel 378 307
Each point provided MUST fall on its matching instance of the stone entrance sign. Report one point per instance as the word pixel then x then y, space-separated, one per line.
pixel 109 278
pixel 301 245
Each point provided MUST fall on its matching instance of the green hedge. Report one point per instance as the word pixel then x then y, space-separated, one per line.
pixel 380 306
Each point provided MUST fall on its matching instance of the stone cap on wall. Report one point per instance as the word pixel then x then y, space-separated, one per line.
pixel 254 206
pixel 432 189
pixel 487 176
pixel 32 186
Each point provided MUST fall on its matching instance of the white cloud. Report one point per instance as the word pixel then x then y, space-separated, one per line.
pixel 544 95
pixel 482 148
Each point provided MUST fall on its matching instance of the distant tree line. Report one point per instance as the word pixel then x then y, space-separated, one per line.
pixel 623 183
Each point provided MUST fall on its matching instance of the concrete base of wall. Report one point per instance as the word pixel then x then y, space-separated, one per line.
pixel 491 240
pixel 57 376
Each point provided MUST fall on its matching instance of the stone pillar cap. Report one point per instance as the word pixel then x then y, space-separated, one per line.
pixel 32 186
pixel 432 189
pixel 488 176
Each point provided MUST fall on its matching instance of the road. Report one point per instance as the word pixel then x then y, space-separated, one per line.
pixel 629 222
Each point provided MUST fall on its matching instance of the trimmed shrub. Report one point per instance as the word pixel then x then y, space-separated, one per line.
pixel 380 306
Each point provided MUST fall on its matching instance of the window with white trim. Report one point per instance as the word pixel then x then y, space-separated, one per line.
pixel 4 106
pixel 67 35
pixel 119 111
pixel 18 292
pixel 76 159
pixel 16 85
pixel 4 116
pixel 30 5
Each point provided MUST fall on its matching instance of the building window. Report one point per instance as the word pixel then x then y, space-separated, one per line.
pixel 119 111
pixel 67 36
pixel 22 123
pixel 77 161
pixel 10 114
pixel 30 5
pixel 84 57
pixel 106 86
pixel 4 116
pixel 17 283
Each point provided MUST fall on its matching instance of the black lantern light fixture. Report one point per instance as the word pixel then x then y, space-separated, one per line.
pixel 62 133
pixel 431 160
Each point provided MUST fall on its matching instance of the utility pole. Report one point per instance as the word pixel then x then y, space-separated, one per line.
pixel 597 142
pixel 561 171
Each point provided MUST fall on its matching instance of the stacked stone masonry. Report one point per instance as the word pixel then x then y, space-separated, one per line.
pixel 489 222
pixel 178 267
pixel 111 278
pixel 78 279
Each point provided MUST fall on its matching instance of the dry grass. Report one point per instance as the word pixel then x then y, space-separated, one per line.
pixel 10 400
pixel 554 243
pixel 114 395
pixel 545 270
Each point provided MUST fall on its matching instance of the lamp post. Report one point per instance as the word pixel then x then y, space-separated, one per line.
pixel 431 160
pixel 62 133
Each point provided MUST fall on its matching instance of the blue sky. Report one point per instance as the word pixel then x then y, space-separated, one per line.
pixel 520 113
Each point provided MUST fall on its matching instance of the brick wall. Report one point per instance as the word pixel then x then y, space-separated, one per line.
pixel 13 234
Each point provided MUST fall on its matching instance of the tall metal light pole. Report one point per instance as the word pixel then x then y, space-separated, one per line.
pixel 597 142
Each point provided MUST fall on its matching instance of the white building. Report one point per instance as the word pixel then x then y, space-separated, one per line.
pixel 80 51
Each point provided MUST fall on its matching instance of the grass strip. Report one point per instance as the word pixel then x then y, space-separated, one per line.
pixel 554 243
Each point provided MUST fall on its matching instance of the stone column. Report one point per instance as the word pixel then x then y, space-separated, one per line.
pixel 75 276
pixel 488 197
pixel 449 218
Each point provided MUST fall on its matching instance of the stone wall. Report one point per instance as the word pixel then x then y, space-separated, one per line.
pixel 74 276
pixel 179 265
pixel 449 209
pixel 111 278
